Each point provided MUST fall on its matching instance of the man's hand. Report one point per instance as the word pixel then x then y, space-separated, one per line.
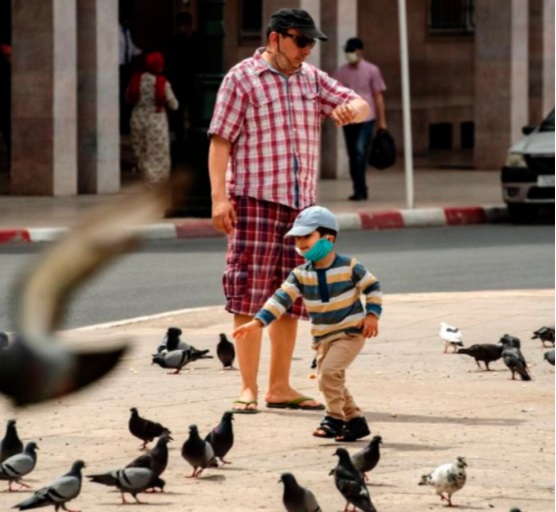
pixel 224 216
pixel 344 114
pixel 370 326
pixel 245 329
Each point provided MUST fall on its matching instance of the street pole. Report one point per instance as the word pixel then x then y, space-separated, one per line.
pixel 406 108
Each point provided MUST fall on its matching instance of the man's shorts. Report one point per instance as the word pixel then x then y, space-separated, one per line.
pixel 259 258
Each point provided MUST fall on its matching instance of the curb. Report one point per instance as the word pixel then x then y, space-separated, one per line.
pixel 354 221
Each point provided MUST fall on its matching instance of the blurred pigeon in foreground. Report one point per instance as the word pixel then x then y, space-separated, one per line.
pixel 510 341
pixel 144 429
pixel 226 352
pixel 11 444
pixel 172 341
pixel 221 437
pixel 447 479
pixel 35 367
pixel 198 453
pixel 549 356
pixel 58 493
pixel 485 352
pixel 297 498
pixel 129 480
pixel 349 481
pixel 367 459
pixel 514 360
pixel 451 335
pixel 17 466
pixel 545 334
pixel 155 459
pixel 177 359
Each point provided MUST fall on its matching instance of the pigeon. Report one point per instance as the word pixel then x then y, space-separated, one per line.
pixel 172 341
pixel 177 359
pixel 226 352
pixel 549 356
pixel 366 459
pixel 36 367
pixel 510 341
pixel 156 459
pixel 545 334
pixel 198 453
pixel 314 363
pixel 221 437
pixel 144 429
pixel 485 352
pixel 350 482
pixel 514 360
pixel 17 466
pixel 447 479
pixel 451 335
pixel 297 498
pixel 58 493
pixel 129 480
pixel 11 444
pixel 4 340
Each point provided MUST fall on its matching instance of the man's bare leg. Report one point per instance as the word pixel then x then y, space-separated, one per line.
pixel 283 333
pixel 248 353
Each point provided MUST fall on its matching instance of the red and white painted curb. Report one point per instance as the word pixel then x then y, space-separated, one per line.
pixel 348 221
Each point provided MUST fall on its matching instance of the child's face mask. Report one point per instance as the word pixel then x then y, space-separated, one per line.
pixel 320 250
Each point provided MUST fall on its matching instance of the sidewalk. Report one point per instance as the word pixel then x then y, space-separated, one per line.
pixel 428 407
pixel 442 196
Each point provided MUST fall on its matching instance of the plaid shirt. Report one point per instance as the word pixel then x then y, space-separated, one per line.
pixel 273 123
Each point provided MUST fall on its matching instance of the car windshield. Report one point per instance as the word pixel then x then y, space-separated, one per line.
pixel 548 124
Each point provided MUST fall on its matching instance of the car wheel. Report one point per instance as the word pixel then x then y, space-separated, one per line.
pixel 521 213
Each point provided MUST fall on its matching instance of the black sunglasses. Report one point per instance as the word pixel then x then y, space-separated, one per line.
pixel 301 41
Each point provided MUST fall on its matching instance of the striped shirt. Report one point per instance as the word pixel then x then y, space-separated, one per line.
pixel 273 123
pixel 332 297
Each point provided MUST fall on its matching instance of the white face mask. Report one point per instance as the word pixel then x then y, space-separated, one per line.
pixel 351 57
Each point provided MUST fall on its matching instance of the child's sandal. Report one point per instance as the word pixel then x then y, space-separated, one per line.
pixel 329 428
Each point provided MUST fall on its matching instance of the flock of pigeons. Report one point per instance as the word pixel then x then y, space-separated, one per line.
pixel 143 474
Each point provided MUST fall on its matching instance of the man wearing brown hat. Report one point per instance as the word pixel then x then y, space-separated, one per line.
pixel 264 163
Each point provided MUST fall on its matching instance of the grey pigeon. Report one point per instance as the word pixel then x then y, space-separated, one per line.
pixel 172 341
pixel 177 359
pixel 514 360
pixel 198 453
pixel 36 367
pixel 17 466
pixel 447 479
pixel 58 493
pixel 155 459
pixel 129 480
pixel 144 429
pixel 367 459
pixel 451 336
pixel 221 437
pixel 297 498
pixel 485 352
pixel 11 444
pixel 226 352
pixel 510 341
pixel 351 484
pixel 545 334
pixel 549 356
pixel 4 340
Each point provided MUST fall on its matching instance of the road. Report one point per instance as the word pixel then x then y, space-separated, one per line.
pixel 166 276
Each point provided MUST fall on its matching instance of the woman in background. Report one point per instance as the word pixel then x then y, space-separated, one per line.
pixel 150 93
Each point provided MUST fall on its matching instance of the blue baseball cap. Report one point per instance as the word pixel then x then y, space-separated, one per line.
pixel 312 218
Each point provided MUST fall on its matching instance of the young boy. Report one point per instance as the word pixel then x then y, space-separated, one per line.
pixel 331 286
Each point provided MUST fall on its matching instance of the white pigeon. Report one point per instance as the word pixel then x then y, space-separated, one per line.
pixel 452 337
pixel 447 479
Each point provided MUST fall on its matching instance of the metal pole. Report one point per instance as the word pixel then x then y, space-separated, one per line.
pixel 407 140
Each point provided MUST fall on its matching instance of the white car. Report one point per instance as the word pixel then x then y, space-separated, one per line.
pixel 528 175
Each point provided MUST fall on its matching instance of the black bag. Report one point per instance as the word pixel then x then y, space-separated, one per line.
pixel 383 150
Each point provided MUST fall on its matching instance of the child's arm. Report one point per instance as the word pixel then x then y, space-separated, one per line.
pixel 244 329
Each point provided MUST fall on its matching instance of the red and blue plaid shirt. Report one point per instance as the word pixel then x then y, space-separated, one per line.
pixel 273 123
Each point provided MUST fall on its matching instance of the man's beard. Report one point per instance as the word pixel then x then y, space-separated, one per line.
pixel 282 62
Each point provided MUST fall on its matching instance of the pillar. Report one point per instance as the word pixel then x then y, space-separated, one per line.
pixel 97 107
pixel 501 79
pixel 44 105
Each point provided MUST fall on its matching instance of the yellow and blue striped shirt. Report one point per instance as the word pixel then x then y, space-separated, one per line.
pixel 332 297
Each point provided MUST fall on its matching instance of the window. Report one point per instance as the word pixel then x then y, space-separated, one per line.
pixel 451 17
pixel 250 16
